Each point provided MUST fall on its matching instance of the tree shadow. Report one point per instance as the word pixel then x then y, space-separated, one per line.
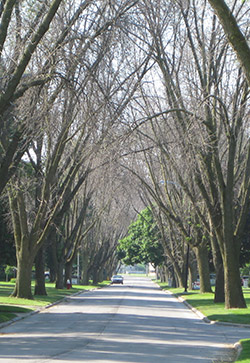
pixel 115 324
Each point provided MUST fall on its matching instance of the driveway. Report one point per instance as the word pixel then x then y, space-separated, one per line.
pixel 135 322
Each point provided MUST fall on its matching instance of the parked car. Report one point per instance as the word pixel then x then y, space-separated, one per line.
pixel 117 279
pixel 196 284
pixel 245 281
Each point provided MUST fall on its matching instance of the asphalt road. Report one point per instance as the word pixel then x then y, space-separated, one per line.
pixel 134 322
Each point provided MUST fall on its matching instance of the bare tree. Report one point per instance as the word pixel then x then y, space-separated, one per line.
pixel 200 128
pixel 237 35
pixel 20 38
pixel 84 106
pixel 112 206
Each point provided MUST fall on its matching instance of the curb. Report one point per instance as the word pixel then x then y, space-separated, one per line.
pixel 205 318
pixel 38 310
pixel 20 317
pixel 197 312
pixel 237 346
pixel 238 349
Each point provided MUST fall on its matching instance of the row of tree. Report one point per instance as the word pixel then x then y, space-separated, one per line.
pixel 66 80
pixel 99 97
pixel 194 142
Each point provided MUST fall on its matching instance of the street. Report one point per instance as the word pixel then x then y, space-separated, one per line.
pixel 134 322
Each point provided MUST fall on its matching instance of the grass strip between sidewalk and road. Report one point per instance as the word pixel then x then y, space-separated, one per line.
pixel 244 356
pixel 217 312
pixel 11 306
pixel 213 311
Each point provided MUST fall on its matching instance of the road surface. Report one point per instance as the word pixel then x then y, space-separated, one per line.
pixel 135 322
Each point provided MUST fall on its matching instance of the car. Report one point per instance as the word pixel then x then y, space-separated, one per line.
pixel 117 279
pixel 245 281
pixel 196 285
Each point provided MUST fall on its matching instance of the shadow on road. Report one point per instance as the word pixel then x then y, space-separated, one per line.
pixel 115 324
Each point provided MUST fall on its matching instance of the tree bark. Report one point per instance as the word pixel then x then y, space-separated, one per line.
pixel 100 275
pixel 233 290
pixel 23 280
pixel 95 276
pixel 5 98
pixel 5 21
pixel 40 288
pixel 85 273
pixel 203 267
pixel 68 272
pixel 52 260
pixel 59 275
pixel 234 34
pixel 219 296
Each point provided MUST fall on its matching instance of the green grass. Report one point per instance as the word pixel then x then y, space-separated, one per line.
pixel 214 311
pixel 8 312
pixel 245 354
pixel 13 308
pixel 6 317
pixel 10 306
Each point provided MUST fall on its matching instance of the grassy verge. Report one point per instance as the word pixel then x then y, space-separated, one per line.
pixel 245 354
pixel 216 312
pixel 11 306
pixel 8 312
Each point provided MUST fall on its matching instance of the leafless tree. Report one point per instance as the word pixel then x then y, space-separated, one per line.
pixel 80 107
pixel 22 44
pixel 232 17
pixel 199 121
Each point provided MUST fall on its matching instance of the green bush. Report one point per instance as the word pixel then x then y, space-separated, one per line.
pixel 13 280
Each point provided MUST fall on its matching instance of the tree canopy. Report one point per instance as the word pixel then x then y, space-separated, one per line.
pixel 118 106
pixel 143 241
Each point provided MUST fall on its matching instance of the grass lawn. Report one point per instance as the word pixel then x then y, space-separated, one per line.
pixel 8 312
pixel 216 312
pixel 245 354
pixel 10 306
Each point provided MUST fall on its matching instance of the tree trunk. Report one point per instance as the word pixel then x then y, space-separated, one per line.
pixel 59 275
pixel 179 275
pixel 193 271
pixel 233 290
pixel 23 280
pixel 219 296
pixel 234 34
pixel 68 272
pixel 203 267
pixel 95 276
pixel 174 283
pixel 85 273
pixel 165 273
pixel 230 250
pixel 52 257
pixel 85 278
pixel 100 275
pixel 40 288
